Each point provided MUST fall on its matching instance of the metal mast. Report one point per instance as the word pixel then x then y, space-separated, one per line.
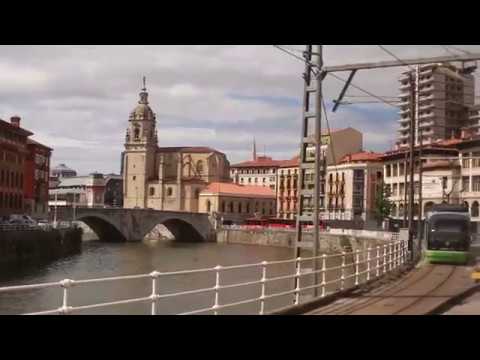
pixel 311 168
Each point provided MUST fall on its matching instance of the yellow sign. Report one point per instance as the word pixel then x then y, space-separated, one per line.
pixel 476 276
pixel 326 139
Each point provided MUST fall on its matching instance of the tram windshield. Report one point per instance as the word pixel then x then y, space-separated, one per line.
pixel 450 226
pixel 449 232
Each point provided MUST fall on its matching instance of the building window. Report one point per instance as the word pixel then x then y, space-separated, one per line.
pixel 240 208
pixel 248 208
pixel 209 206
pixel 476 183
pixel 223 207
pixel 476 159
pixel 197 194
pixel 231 207
pixel 475 209
pixel 169 191
pixel 152 191
pixel 134 178
pixel 465 162
pixel 465 183
pixel 199 167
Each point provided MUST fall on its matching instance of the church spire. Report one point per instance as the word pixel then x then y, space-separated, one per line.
pixel 144 93
pixel 254 150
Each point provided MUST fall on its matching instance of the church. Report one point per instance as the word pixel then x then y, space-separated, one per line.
pixel 165 178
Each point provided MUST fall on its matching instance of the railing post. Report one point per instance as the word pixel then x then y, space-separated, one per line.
pixel 342 278
pixel 368 263
pixel 324 270
pixel 297 278
pixel 384 259
pixel 357 260
pixel 378 262
pixel 154 295
pixel 217 288
pixel 67 283
pixel 264 280
pixel 397 255
pixel 390 255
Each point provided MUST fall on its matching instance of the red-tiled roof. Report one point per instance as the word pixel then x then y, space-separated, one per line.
pixel 262 161
pixel 294 162
pixel 31 141
pixel 362 156
pixel 20 131
pixel 239 190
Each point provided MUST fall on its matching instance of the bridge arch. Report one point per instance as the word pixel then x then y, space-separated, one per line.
pixel 181 230
pixel 103 228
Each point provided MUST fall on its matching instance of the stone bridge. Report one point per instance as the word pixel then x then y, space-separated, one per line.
pixel 118 224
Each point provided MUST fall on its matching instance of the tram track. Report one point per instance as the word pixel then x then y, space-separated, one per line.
pixel 354 305
pixel 418 293
pixel 430 293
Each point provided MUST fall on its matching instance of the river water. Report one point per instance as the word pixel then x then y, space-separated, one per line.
pixel 99 259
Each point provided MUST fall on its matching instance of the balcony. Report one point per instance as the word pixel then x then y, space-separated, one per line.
pixel 424 124
pixel 426 107
pixel 404 120
pixel 426 90
pixel 474 125
pixel 404 86
pixel 426 81
pixel 404 136
pixel 422 99
pixel 426 116
pixel 426 69
pixel 474 117
pixel 404 111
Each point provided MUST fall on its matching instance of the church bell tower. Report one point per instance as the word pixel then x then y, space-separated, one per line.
pixel 140 151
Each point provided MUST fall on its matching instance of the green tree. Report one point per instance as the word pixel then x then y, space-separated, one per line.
pixel 383 205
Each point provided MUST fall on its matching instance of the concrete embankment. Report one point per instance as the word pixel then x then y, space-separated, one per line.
pixel 329 243
pixel 30 246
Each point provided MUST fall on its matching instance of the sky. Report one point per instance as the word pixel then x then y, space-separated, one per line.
pixel 77 99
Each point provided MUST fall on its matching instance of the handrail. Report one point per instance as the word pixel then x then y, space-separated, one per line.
pixel 369 263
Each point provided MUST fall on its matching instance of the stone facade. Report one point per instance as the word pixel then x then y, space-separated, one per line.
pixel 236 203
pixel 165 178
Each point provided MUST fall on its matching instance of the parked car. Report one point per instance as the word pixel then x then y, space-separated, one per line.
pixel 23 220
pixel 43 223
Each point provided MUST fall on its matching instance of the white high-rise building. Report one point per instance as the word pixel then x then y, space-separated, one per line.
pixel 443 95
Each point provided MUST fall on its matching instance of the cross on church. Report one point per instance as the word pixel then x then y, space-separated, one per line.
pixel 144 86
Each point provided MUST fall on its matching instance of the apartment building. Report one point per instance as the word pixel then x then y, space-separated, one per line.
pixel 444 93
pixel 13 152
pixel 351 187
pixel 287 184
pixel 260 171
pixel 441 172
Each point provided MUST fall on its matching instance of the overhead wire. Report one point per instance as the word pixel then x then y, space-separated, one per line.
pixel 362 90
pixel 313 66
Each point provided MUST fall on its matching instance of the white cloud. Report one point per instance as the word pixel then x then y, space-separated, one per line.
pixel 77 98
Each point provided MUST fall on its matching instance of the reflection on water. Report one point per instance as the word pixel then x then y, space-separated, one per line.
pixel 100 259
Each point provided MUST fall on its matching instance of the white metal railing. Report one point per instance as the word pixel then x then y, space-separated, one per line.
pixel 367 265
